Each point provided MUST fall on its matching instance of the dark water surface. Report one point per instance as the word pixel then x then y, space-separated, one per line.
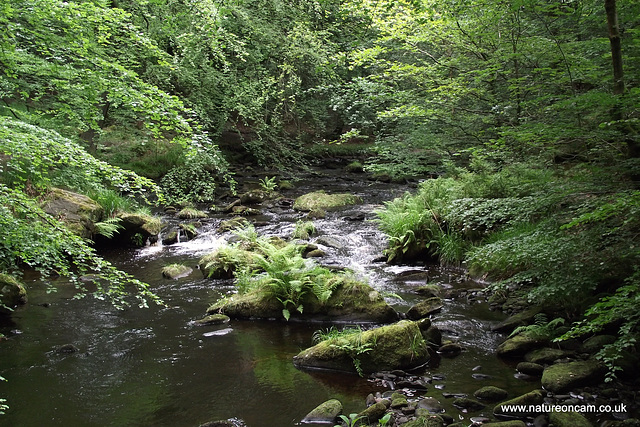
pixel 155 367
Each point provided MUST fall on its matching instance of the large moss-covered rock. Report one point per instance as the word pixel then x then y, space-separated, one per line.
pixel 396 346
pixel 491 393
pixel 425 308
pixel 326 412
pixel 351 302
pixel 78 212
pixel 519 345
pixel 520 319
pixel 137 228
pixel 563 377
pixel 527 400
pixel 12 292
pixel 319 200
pixel 568 419
pixel 546 355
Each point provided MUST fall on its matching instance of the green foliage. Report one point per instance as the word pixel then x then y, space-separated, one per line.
pixel 33 155
pixel 276 269
pixel 32 237
pixel 268 184
pixel 619 310
pixel 348 340
pixel 542 328
pixel 109 227
pixel 194 181
pixel 350 421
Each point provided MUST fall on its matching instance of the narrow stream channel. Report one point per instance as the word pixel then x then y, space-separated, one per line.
pixel 155 367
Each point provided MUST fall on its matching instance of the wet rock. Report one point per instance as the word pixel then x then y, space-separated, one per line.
pixel 352 301
pixel 231 422
pixel 245 211
pixel 316 214
pixel 78 212
pixel 450 350
pixel 385 348
pixel 373 413
pixel 254 197
pixel 594 344
pixel 491 394
pixel 425 308
pixel 213 319
pixel 511 423
pixel 429 291
pixel 530 368
pixel 176 271
pixel 330 242
pixel 529 400
pixel 426 421
pixel 316 253
pixel 399 400
pixel 430 404
pixel 232 224
pixel 519 345
pixel 563 377
pixel 189 231
pixel 191 213
pixel 326 412
pixel 568 419
pixel 67 349
pixel 521 319
pixel 468 404
pixel 319 200
pixel 546 355
pixel 433 336
pixel 170 238
pixel 12 292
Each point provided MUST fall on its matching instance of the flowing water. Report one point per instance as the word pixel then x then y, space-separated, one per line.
pixel 156 367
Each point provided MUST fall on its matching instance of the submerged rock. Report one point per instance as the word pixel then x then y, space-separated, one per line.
pixel 176 271
pixel 396 346
pixel 213 319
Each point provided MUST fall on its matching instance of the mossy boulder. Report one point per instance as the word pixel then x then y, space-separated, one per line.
pixel 326 412
pixel 426 421
pixel 176 271
pixel 568 419
pixel 491 394
pixel 137 228
pixel 213 319
pixel 78 212
pixel 319 200
pixel 520 345
pixel 223 263
pixel 232 224
pixel 510 423
pixel 352 301
pixel 12 292
pixel 396 346
pixel 530 368
pixel 528 400
pixel 563 377
pixel 595 343
pixel 546 355
pixel 425 308
pixel 373 413
pixel 520 319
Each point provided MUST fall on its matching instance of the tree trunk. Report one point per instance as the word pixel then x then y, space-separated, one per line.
pixel 616 46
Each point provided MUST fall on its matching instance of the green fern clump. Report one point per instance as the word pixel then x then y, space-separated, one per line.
pixel 304 230
pixel 109 227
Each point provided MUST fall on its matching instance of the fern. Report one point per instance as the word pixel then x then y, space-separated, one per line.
pixel 541 328
pixel 109 227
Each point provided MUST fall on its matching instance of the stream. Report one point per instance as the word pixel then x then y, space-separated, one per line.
pixel 156 367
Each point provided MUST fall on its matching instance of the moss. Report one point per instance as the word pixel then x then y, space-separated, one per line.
pixel 213 319
pixel 12 291
pixel 568 419
pixel 396 346
pixel 191 213
pixel 530 399
pixel 326 412
pixel 519 345
pixel 319 200
pixel 176 271
pixel 491 394
pixel 563 377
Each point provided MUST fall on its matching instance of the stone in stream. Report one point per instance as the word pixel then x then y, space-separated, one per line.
pixel 525 401
pixel 491 394
pixel 519 345
pixel 213 319
pixel 12 293
pixel 396 346
pixel 425 308
pixel 320 200
pixel 326 412
pixel 568 419
pixel 563 377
